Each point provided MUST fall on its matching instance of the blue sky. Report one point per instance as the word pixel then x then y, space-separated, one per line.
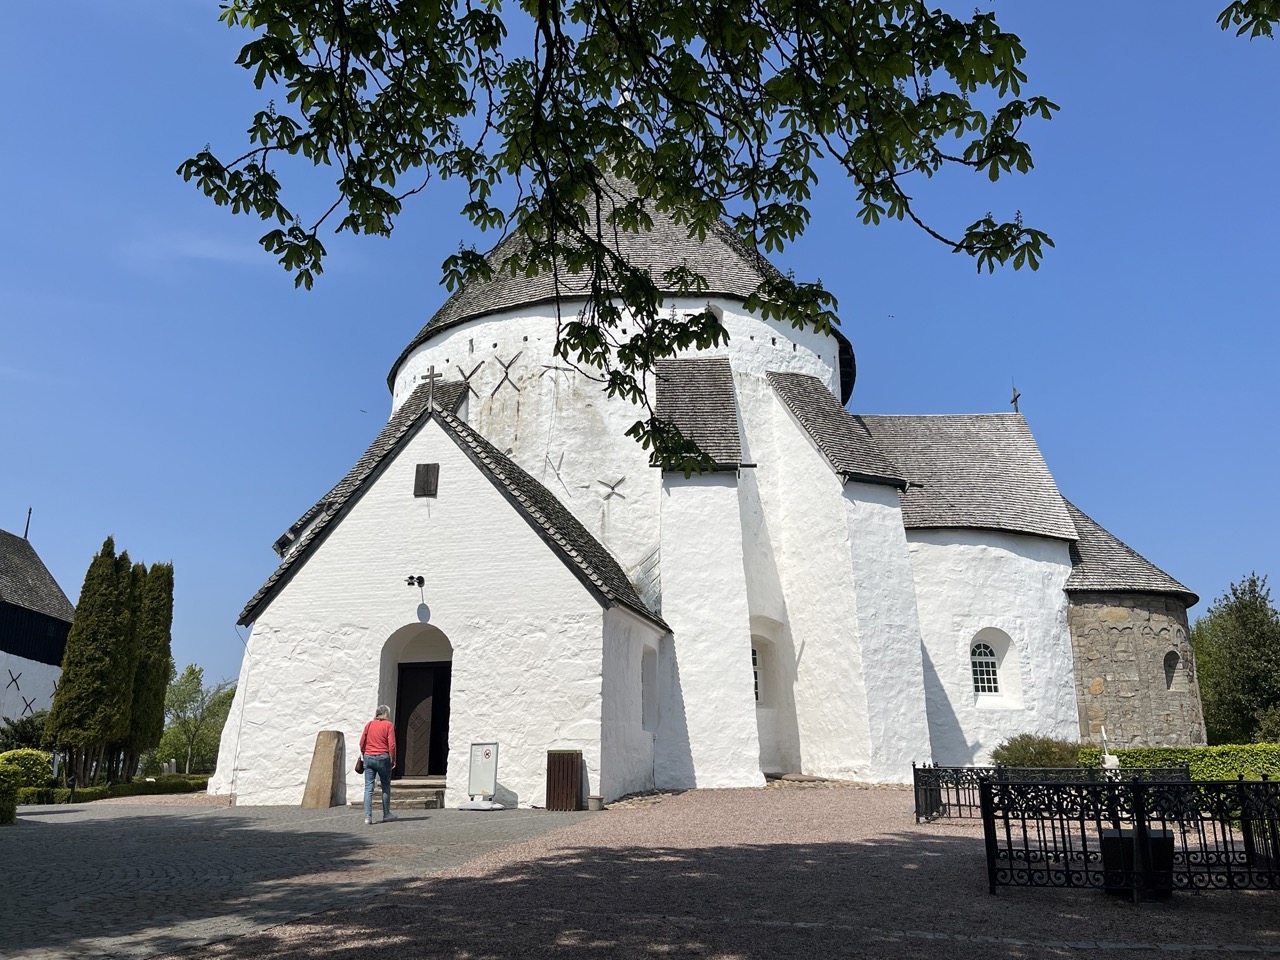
pixel 162 381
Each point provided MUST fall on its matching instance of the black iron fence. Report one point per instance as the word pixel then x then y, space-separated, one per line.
pixel 953 791
pixel 1135 838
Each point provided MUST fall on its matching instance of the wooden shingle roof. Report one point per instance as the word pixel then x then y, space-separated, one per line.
pixel 697 396
pixel 841 437
pixel 981 471
pixel 26 582
pixel 585 556
pixel 1102 563
pixel 730 268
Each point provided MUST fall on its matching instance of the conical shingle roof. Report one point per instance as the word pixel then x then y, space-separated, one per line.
pixel 1101 562
pixel 730 268
pixel 26 582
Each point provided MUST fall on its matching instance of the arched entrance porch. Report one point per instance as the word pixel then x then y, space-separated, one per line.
pixel 415 679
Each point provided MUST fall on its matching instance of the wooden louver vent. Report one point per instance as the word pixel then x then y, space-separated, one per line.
pixel 426 480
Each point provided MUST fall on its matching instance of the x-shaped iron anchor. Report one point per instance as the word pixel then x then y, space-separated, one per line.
pixel 613 488
pixel 13 681
pixel 27 706
pixel 506 374
pixel 466 378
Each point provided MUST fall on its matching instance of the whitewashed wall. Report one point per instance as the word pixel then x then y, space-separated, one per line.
pixel 888 632
pixel 33 679
pixel 968 580
pixel 761 497
pixel 704 600
pixel 626 746
pixel 526 638
pixel 558 424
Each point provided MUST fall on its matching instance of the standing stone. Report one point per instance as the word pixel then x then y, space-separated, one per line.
pixel 325 778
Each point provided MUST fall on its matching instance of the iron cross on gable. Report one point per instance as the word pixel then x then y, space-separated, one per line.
pixel 13 681
pixel 431 377
pixel 28 706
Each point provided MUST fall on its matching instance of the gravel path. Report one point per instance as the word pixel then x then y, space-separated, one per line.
pixel 749 874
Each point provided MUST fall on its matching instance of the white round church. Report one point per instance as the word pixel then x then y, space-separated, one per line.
pixel 842 596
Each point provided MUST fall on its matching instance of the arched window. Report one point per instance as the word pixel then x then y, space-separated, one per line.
pixel 986 677
pixel 1175 677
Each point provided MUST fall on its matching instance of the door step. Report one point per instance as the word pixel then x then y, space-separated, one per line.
pixel 408 793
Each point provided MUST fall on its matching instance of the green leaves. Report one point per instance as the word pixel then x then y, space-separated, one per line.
pixel 1237 645
pixel 1257 18
pixel 713 111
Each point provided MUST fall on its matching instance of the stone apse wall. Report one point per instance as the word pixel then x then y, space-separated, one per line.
pixel 1135 670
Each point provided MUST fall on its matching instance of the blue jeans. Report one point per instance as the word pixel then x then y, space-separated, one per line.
pixel 377 765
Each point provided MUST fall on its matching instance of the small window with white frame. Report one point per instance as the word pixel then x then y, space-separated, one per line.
pixel 986 668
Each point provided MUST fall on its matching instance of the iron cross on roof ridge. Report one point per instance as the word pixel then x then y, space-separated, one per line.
pixel 431 377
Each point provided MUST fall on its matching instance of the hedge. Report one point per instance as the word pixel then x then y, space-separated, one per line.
pixel 138 788
pixel 36 765
pixel 10 777
pixel 1225 762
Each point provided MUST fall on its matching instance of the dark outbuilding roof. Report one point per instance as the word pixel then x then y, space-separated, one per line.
pixel 697 396
pixel 26 582
pixel 843 438
pixel 730 268
pixel 980 471
pixel 585 556
pixel 1102 563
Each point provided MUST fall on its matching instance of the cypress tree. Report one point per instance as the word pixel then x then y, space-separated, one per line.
pixel 83 716
pixel 154 664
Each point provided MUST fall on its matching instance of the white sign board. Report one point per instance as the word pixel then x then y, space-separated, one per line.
pixel 483 779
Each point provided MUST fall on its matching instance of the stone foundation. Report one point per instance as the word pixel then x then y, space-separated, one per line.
pixel 1135 670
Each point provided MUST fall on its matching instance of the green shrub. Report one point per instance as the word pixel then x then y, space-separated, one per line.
pixel 10 777
pixel 1030 750
pixel 1224 762
pixel 195 783
pixel 36 766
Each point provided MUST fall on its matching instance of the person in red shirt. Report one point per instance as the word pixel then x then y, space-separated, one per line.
pixel 378 750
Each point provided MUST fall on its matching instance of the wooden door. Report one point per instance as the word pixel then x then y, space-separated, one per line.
pixel 422 719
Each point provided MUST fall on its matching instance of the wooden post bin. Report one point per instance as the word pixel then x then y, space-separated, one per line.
pixel 564 779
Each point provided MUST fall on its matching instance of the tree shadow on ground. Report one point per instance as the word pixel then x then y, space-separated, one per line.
pixel 904 895
pixel 144 884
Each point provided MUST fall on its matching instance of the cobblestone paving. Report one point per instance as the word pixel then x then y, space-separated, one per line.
pixel 134 880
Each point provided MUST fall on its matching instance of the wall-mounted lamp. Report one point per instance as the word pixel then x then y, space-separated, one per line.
pixel 413 581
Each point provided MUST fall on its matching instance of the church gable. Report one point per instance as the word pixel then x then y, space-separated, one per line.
pixel 585 557
pixel 448 395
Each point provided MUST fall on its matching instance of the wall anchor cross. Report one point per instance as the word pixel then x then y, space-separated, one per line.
pixel 466 379
pixel 553 369
pixel 27 706
pixel 13 681
pixel 506 374
pixel 613 488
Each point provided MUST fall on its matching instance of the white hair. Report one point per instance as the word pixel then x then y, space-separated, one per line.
pixel 383 712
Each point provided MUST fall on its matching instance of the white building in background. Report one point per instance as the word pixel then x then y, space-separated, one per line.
pixel 844 595
pixel 35 618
